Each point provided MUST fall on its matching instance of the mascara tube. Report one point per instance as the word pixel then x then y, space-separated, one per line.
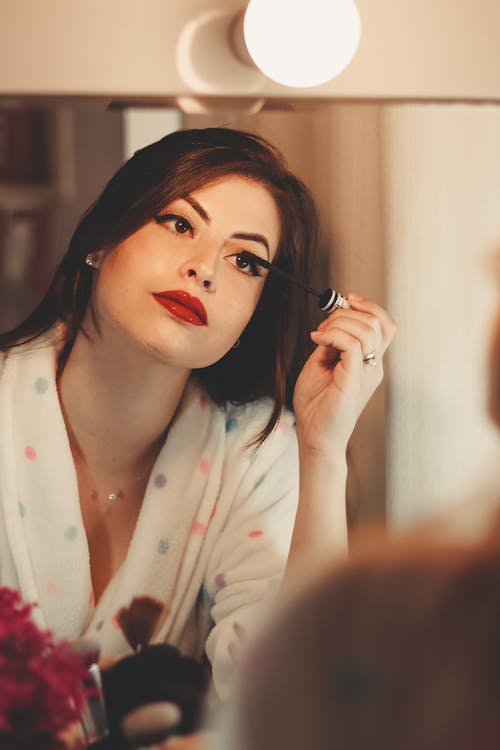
pixel 330 300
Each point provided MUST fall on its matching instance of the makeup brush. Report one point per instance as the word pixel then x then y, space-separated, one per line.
pixel 328 300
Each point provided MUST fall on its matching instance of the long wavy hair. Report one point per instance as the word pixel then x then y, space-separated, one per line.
pixel 268 356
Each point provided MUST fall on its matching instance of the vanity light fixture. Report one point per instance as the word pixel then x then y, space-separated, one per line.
pixel 296 43
pixel 301 43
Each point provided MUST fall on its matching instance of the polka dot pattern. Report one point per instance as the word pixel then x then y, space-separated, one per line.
pixel 231 424
pixel 30 453
pixel 41 385
pixel 255 533
pixel 114 621
pixel 283 425
pixel 160 481
pixel 163 546
pixel 259 481
pixel 99 625
pixel 22 509
pixel 71 533
pixel 206 598
pixel 220 580
pixel 204 466
pixel 198 528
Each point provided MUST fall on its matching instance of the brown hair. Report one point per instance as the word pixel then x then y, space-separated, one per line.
pixel 172 167
pixel 399 649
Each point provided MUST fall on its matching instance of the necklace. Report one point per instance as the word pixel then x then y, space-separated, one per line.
pixel 116 495
pixel 110 496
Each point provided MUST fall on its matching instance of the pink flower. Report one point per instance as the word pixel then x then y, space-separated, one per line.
pixel 41 692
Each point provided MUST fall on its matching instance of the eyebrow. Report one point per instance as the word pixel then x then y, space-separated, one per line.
pixel 199 209
pixel 253 238
pixel 238 235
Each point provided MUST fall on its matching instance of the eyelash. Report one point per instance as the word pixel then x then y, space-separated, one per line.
pixel 167 218
pixel 250 259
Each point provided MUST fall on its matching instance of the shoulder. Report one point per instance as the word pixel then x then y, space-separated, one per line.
pixel 245 422
pixel 49 340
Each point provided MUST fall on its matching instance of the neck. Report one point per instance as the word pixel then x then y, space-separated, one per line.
pixel 117 403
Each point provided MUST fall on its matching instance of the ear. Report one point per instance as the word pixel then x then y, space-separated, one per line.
pixel 94 260
pixel 98 256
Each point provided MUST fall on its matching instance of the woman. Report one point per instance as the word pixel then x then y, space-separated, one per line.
pixel 145 448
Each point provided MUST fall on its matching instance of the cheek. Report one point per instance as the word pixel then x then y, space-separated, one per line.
pixel 240 308
pixel 115 297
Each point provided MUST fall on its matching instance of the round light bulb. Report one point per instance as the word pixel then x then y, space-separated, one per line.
pixel 301 42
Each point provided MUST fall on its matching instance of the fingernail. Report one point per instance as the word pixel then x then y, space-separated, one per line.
pixel 355 297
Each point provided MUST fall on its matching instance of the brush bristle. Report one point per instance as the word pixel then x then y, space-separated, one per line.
pixel 138 621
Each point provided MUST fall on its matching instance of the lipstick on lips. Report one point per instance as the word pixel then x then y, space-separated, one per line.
pixel 183 306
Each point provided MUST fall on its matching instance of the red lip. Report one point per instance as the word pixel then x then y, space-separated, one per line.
pixel 183 305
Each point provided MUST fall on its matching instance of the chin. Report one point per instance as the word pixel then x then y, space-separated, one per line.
pixel 179 357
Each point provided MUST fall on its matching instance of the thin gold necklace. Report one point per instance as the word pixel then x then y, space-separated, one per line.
pixel 111 496
pixel 118 494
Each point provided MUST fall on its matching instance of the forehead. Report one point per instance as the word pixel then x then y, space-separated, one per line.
pixel 243 202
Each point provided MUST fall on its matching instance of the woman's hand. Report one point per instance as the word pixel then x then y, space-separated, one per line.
pixel 202 740
pixel 335 384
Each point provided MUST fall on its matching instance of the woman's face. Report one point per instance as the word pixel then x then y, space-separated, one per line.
pixel 177 287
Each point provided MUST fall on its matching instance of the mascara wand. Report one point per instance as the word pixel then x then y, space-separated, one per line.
pixel 328 300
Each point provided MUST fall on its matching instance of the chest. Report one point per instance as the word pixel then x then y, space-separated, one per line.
pixel 109 515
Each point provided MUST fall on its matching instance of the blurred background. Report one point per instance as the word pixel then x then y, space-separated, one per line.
pixel 401 150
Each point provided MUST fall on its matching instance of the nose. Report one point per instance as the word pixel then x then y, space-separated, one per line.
pixel 202 270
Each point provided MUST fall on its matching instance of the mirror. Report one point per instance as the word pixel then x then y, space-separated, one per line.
pixel 408 199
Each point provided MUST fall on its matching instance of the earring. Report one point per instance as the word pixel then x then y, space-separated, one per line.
pixel 90 260
pixel 235 346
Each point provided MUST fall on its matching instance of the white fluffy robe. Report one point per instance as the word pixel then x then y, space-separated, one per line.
pixel 212 535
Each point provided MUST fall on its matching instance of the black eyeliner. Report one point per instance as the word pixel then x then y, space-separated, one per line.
pixel 328 300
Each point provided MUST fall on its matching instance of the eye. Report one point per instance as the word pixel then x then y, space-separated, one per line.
pixel 176 223
pixel 247 263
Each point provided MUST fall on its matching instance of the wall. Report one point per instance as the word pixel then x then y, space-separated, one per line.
pixel 123 48
pixel 442 176
pixel 82 145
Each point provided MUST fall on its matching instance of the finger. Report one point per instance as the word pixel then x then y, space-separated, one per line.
pixel 387 324
pixel 340 312
pixel 349 350
pixel 342 344
pixel 361 326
